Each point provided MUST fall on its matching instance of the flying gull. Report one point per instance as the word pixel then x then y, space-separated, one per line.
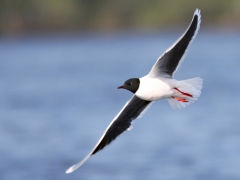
pixel 158 84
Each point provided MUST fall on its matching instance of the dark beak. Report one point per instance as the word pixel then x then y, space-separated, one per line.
pixel 121 87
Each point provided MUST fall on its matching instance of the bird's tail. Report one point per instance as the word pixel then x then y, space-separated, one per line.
pixel 185 92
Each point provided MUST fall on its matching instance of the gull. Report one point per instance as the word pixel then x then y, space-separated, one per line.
pixel 158 84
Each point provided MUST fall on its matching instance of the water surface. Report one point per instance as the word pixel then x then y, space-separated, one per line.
pixel 58 94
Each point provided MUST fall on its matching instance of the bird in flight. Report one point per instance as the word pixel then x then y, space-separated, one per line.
pixel 158 84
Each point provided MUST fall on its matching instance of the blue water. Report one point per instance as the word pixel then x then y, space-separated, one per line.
pixel 58 94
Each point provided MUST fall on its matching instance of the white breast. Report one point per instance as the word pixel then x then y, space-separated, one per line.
pixel 152 89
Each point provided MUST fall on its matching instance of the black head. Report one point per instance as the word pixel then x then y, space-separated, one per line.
pixel 131 85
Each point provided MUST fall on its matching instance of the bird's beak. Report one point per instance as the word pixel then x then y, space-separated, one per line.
pixel 121 87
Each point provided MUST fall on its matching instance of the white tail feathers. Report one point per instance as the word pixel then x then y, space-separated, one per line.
pixel 185 93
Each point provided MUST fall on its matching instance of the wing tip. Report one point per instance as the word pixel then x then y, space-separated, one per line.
pixel 197 13
pixel 70 170
pixel 76 166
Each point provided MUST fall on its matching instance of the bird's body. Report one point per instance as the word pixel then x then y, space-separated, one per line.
pixel 153 89
pixel 178 93
pixel 158 84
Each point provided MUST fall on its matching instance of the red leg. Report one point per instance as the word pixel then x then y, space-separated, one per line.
pixel 180 99
pixel 183 93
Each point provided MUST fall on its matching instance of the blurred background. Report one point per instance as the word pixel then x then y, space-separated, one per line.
pixel 61 63
pixel 77 16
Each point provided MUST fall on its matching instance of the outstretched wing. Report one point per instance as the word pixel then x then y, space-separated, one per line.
pixel 132 109
pixel 169 62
